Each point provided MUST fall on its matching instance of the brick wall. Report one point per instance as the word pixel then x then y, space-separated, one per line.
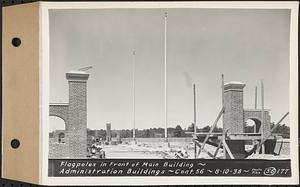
pixel 58 150
pixel 256 114
pixel 77 114
pixel 233 103
pixel 74 114
pixel 59 110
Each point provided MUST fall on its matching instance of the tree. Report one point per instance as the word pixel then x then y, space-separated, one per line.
pixel 147 133
pixel 206 128
pixel 191 128
pixel 218 129
pixel 283 130
pixel 178 132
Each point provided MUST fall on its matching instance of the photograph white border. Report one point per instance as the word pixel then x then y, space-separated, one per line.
pixel 171 180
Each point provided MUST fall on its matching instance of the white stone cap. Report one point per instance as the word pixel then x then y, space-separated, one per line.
pixel 237 86
pixel 61 104
pixel 234 82
pixel 78 72
pixel 77 76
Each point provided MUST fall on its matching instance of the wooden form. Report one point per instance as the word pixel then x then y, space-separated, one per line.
pixel 211 131
pixel 275 126
pixel 223 137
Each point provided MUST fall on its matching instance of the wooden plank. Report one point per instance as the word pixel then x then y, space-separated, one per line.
pixel 208 153
pixel 219 133
pixel 227 149
pixel 242 137
pixel 280 147
pixel 210 131
pixel 217 150
pixel 197 143
pixel 278 123
pixel 275 126
pixel 223 140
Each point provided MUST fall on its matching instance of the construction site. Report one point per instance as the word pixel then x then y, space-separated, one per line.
pixel 232 143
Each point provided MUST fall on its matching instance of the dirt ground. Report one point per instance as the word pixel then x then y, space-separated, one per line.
pixel 164 151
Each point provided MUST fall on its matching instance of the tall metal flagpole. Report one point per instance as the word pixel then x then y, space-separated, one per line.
pixel 255 101
pixel 133 94
pixel 166 117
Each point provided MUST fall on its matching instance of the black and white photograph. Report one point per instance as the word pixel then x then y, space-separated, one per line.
pixel 172 86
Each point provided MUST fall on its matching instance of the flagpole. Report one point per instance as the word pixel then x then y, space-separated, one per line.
pixel 166 117
pixel 133 94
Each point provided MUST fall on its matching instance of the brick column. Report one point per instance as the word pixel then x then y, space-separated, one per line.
pixel 234 117
pixel 233 102
pixel 77 113
pixel 108 132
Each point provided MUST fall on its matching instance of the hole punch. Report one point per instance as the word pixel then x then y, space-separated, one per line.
pixel 16 42
pixel 15 143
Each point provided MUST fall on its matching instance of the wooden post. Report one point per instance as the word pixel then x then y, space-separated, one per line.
pixel 225 146
pixel 278 123
pixel 255 102
pixel 217 150
pixel 255 107
pixel 195 150
pixel 211 130
pixel 275 126
pixel 133 133
pixel 223 106
pixel 223 140
pixel 262 117
pixel 222 90
pixel 224 149
pixel 195 126
pixel 280 147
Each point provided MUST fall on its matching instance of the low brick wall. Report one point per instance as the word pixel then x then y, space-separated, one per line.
pixel 58 150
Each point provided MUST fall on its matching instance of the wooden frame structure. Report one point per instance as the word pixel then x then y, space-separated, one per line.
pixel 221 139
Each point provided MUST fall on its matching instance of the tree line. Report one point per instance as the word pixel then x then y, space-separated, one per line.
pixel 178 131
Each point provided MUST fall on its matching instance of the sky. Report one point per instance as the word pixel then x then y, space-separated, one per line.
pixel 246 45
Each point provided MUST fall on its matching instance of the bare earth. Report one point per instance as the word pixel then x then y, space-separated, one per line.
pixel 163 151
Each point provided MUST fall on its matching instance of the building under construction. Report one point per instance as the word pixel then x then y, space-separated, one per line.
pixel 234 138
